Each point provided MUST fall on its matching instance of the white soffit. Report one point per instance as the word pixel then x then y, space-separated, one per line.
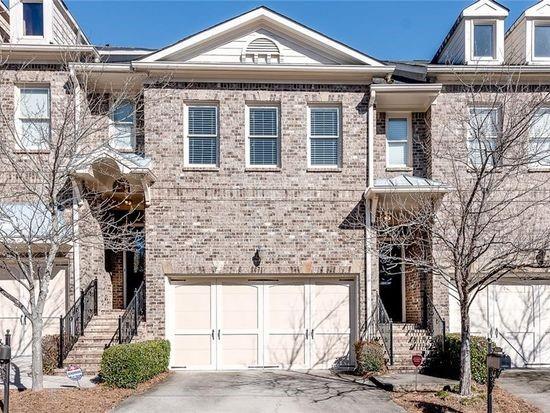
pixel 485 8
pixel 264 16
pixel 405 97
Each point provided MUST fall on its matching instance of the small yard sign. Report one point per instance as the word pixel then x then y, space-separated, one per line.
pixel 75 373
pixel 417 361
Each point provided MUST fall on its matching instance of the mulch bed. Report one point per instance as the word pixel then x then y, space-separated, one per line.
pixel 98 399
pixel 428 402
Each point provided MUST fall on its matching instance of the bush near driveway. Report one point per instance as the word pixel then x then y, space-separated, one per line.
pixel 447 363
pixel 127 365
pixel 370 357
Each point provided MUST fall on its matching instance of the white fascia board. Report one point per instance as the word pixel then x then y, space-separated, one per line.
pixel 485 8
pixel 31 52
pixel 176 66
pixel 102 67
pixel 259 15
pixel 419 88
pixel 472 69
pixel 371 192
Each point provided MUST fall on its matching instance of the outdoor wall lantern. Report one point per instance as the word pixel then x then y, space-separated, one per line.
pixel 256 259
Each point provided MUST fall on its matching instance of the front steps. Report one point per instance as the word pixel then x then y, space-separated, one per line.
pixel 88 350
pixel 408 339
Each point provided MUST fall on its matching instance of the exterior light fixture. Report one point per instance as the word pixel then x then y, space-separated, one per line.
pixel 256 259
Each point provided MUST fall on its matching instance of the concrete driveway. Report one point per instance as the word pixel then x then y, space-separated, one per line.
pixel 260 391
pixel 532 385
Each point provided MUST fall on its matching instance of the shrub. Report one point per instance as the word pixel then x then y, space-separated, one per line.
pixel 370 357
pixel 50 353
pixel 447 363
pixel 127 365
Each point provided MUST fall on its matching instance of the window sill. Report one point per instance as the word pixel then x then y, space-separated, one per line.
pixel 399 169
pixel 331 170
pixel 190 168
pixel 259 169
pixel 539 169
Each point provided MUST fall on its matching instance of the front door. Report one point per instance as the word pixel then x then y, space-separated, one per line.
pixel 391 280
pixel 134 268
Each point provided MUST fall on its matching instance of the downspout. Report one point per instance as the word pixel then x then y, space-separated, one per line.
pixel 367 231
pixel 76 197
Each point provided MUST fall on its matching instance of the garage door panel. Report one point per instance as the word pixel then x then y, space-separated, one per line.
pixel 286 350
pixel 331 350
pixel 190 350
pixel 193 307
pixel 240 350
pixel 239 307
pixel 331 310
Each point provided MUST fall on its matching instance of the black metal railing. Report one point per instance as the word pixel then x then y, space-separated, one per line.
pixel 434 323
pixel 72 325
pixel 384 325
pixel 129 321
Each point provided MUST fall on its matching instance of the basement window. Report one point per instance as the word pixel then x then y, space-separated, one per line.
pixel 33 19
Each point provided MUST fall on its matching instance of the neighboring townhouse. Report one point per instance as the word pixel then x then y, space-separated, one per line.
pixel 258 152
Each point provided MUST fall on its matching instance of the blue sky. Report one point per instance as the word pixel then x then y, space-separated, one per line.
pixel 384 29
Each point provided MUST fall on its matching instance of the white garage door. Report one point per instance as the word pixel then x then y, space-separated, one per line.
pixel 518 315
pixel 223 324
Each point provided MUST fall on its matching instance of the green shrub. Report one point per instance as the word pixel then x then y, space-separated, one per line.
pixel 447 363
pixel 126 365
pixel 50 353
pixel 370 357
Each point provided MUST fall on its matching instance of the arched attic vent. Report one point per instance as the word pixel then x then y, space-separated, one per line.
pixel 261 50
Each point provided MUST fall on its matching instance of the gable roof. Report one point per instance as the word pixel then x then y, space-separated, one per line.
pixel 473 10
pixel 263 14
pixel 540 9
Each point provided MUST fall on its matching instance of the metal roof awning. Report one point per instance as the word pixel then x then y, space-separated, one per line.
pixel 406 184
pixel 415 97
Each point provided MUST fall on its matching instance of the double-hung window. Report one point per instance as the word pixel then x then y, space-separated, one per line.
pixel 34 118
pixel 33 18
pixel 324 137
pixel 541 41
pixel 202 136
pixel 539 137
pixel 123 125
pixel 398 137
pixel 263 136
pixel 484 40
pixel 483 128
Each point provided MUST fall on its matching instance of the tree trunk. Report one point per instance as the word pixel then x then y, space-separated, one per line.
pixel 36 366
pixel 465 357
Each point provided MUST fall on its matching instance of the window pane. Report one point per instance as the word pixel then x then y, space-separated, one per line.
pixel 483 40
pixel 124 112
pixel 324 151
pixel 479 150
pixel 542 41
pixel 397 129
pixel 263 122
pixel 540 149
pixel 540 137
pixel 123 136
pixel 541 124
pixel 324 122
pixel 202 121
pixel 397 153
pixel 202 151
pixel 35 103
pixel 263 151
pixel 35 134
pixel 484 122
pixel 33 19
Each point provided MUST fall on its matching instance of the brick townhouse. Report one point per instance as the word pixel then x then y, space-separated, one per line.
pixel 258 150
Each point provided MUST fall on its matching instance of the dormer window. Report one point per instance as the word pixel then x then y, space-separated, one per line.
pixel 484 40
pixel 33 19
pixel 261 50
pixel 541 44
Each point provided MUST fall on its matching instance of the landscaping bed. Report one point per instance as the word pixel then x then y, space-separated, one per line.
pixel 99 399
pixel 428 402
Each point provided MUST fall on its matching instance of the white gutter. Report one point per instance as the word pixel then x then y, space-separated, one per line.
pixel 390 88
pixel 515 69
pixel 102 67
pixel 176 66
pixel 46 48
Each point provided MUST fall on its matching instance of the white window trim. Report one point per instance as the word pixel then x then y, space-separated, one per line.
pixel 536 166
pixel 18 117
pixel 112 129
pixel 340 145
pixel 186 136
pixel 475 58
pixel 400 115
pixel 533 57
pixel 248 136
pixel 17 30
pixel 499 119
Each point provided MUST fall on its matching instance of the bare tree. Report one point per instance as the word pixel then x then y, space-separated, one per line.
pixel 48 134
pixel 491 224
